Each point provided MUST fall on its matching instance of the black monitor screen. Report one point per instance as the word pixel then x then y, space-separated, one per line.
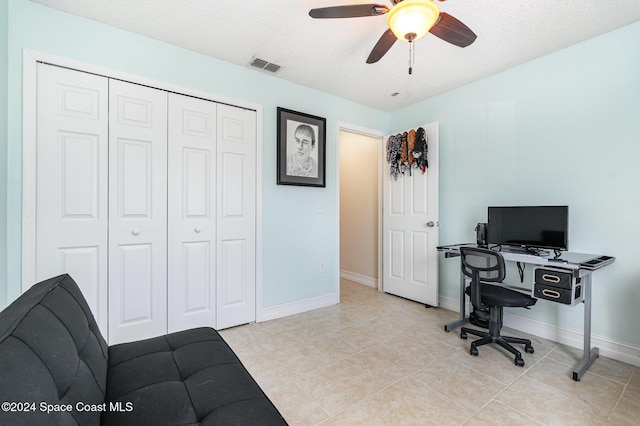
pixel 529 226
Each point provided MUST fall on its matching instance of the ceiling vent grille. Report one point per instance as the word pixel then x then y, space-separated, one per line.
pixel 264 65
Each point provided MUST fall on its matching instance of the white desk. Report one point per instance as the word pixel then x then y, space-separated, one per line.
pixel 581 265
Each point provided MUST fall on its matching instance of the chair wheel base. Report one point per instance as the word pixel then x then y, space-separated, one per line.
pixel 528 349
pixel 519 362
pixel 463 335
pixel 473 351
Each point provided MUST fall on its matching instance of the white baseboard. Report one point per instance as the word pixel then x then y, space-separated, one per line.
pixel 610 349
pixel 286 309
pixel 619 351
pixel 449 303
pixel 359 278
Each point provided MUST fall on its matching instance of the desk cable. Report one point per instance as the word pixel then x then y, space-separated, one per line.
pixel 521 267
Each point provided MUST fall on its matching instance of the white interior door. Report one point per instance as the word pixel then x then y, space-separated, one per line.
pixel 192 213
pixel 71 182
pixel 137 212
pixel 236 216
pixel 410 229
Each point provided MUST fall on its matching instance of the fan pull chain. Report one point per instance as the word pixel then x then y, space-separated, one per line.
pixel 412 57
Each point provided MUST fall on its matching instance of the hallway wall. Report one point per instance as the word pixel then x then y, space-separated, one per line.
pixel 359 157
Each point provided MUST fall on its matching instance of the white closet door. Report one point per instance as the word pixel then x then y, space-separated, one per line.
pixel 192 213
pixel 236 218
pixel 137 212
pixel 71 182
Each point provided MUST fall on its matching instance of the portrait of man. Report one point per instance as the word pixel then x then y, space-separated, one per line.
pixel 302 150
pixel 301 147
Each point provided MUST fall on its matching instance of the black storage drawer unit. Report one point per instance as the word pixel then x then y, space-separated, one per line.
pixel 554 278
pixel 556 294
pixel 557 285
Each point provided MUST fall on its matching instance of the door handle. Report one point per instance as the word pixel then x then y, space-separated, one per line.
pixel 431 224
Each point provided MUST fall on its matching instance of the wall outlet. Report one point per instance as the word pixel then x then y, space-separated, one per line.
pixel 323 267
pixel 321 208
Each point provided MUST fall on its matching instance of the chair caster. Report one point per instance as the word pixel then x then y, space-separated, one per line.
pixel 473 351
pixel 519 362
pixel 528 349
pixel 463 335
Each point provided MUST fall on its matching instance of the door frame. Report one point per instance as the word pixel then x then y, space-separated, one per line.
pixel 29 92
pixel 371 133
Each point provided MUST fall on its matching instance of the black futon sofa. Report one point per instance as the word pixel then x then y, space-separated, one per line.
pixel 56 369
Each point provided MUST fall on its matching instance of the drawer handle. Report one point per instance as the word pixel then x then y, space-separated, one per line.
pixel 551 293
pixel 551 278
pixel 197 230
pixel 135 232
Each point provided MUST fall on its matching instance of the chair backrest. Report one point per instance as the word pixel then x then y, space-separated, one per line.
pixel 481 265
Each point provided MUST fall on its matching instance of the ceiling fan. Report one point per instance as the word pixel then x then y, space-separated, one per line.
pixel 408 20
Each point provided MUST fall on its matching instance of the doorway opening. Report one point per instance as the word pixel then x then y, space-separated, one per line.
pixel 360 206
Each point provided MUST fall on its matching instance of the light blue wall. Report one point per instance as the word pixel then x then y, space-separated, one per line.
pixel 559 130
pixel 295 238
pixel 563 129
pixel 4 60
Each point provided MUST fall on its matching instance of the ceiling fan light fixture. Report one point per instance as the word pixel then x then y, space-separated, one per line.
pixel 412 19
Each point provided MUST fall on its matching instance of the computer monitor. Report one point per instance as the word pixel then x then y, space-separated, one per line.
pixel 530 227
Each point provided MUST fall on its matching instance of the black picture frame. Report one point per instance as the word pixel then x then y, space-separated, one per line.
pixel 301 159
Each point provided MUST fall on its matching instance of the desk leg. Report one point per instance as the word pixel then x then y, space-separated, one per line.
pixel 463 317
pixel 589 354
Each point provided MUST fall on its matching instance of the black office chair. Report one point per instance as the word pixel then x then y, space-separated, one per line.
pixel 487 266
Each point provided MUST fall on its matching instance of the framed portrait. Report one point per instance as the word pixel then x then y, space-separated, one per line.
pixel 301 149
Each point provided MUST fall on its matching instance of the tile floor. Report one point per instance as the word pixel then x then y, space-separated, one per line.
pixel 377 359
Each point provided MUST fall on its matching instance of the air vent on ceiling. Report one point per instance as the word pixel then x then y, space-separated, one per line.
pixel 264 65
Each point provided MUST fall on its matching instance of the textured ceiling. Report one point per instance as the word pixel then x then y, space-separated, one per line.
pixel 329 54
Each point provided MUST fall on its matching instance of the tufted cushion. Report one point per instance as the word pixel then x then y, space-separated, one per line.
pixel 51 352
pixel 188 377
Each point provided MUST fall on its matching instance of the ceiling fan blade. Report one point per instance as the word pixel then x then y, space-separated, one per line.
pixel 452 30
pixel 349 11
pixel 382 46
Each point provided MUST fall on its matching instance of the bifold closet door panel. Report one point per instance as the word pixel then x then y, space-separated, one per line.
pixel 192 213
pixel 71 181
pixel 236 217
pixel 137 212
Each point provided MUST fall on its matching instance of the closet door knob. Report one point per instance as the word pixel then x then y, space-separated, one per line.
pixel 135 231
pixel 431 224
pixel 197 230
